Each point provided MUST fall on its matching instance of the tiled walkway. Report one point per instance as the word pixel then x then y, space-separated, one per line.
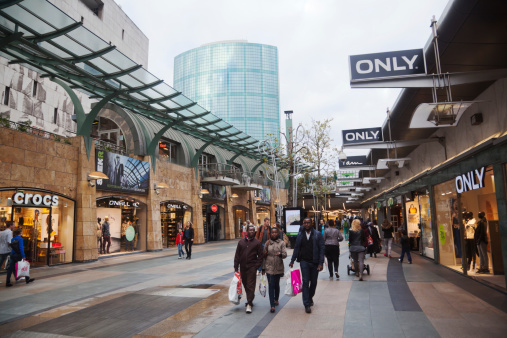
pixel 157 295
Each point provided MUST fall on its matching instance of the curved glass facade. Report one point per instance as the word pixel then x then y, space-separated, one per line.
pixel 237 81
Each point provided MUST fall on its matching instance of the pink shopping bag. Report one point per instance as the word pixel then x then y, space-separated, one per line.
pixel 295 276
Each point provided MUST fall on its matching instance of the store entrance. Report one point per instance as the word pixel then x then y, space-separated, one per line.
pixel 127 224
pixel 173 215
pixel 213 217
pixel 240 216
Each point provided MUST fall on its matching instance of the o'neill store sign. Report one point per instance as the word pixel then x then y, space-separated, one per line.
pixel 386 65
pixel 472 180
pixel 356 136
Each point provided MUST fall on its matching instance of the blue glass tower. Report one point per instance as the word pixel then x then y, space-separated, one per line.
pixel 235 80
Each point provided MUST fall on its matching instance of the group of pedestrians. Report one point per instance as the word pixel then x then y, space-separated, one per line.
pixel 11 247
pixel 185 237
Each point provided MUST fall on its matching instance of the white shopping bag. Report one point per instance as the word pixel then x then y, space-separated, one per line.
pixel 22 268
pixel 262 286
pixel 235 289
pixel 288 286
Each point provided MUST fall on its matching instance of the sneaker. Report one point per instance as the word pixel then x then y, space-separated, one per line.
pixel 8 285
pixel 248 308
pixel 330 277
pixel 399 260
pixel 337 275
pixel 308 309
pixel 410 262
pixel 179 257
pixel 29 280
pixel 390 256
pixel 272 309
pixel 385 255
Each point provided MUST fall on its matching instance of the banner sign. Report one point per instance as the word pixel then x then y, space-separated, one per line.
pixel 387 65
pixel 125 174
pixel 472 180
pixel 355 136
pixel 265 195
pixel 353 161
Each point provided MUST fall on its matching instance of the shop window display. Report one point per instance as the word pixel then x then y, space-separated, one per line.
pixel 479 215
pixel 46 221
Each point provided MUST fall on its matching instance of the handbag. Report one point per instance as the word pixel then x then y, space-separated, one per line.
pixel 370 240
pixel 235 290
pixel 262 286
pixel 295 276
pixel 22 268
pixel 288 285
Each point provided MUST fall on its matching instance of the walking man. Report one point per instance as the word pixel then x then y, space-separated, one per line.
pixel 5 239
pixel 106 235
pixel 247 260
pixel 309 252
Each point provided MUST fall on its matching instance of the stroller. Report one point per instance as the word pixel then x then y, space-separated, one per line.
pixel 366 267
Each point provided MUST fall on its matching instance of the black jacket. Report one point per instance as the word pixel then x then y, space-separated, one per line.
pixel 480 232
pixel 318 248
pixel 190 234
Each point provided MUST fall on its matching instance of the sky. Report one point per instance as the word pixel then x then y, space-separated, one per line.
pixel 314 39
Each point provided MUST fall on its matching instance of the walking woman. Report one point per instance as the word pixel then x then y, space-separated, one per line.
pixel 274 253
pixel 387 229
pixel 188 236
pixel 371 231
pixel 332 239
pixel 357 247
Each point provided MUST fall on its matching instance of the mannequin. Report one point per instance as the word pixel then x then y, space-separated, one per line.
pixel 470 225
pixel 481 239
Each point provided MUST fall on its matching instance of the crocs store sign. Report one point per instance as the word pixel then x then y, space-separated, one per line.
pixel 27 199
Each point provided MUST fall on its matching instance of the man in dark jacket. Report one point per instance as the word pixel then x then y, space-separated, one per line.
pixel 309 252
pixel 248 258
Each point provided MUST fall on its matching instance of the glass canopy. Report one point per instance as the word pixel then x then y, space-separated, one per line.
pixel 43 38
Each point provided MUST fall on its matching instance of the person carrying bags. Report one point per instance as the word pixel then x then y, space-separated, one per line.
pixel 274 253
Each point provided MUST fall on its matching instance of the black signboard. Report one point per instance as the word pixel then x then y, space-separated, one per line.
pixel 353 161
pixel 355 136
pixel 388 64
pixel 125 174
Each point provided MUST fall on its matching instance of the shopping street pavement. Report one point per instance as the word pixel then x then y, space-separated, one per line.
pixel 157 295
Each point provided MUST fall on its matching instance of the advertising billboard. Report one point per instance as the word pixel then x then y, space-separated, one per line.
pixel 125 174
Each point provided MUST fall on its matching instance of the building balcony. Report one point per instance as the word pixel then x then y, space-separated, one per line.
pixel 220 174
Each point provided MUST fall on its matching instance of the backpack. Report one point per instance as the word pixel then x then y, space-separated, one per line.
pixel 14 245
pixel 346 224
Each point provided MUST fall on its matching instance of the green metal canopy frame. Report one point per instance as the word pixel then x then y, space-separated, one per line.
pixel 40 36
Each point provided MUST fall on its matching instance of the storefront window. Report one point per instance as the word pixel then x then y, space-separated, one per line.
pixel 174 215
pixel 478 208
pixel 127 224
pixel 262 212
pixel 240 216
pixel 426 226
pixel 47 223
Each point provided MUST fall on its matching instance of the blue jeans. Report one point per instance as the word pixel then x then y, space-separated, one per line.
pixel 403 252
pixel 309 274
pixel 180 250
pixel 274 288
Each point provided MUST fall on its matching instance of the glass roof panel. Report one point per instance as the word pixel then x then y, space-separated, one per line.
pixel 104 65
pixel 164 89
pixel 88 39
pixel 54 50
pixel 138 96
pixel 151 93
pixel 129 81
pixel 182 100
pixel 71 45
pixel 197 109
pixel 169 104
pixel 31 21
pixel 157 106
pixel 144 76
pixel 119 59
pixel 49 13
pixel 11 26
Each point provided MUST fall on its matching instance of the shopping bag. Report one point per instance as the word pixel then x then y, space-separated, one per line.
pixel 288 286
pixel 22 268
pixel 235 290
pixel 295 276
pixel 262 286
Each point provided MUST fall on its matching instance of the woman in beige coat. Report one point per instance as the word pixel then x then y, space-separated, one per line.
pixel 274 253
